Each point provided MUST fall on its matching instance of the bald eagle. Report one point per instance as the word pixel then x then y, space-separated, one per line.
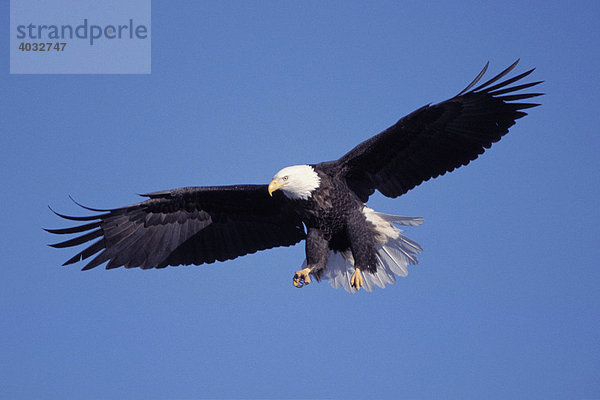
pixel 347 243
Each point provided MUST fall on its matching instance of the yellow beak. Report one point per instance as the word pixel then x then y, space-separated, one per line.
pixel 274 185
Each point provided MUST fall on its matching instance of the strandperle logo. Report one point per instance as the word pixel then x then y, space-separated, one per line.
pixel 84 31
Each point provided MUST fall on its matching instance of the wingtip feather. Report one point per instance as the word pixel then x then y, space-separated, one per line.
pixel 477 78
pixel 497 77
pixel 86 207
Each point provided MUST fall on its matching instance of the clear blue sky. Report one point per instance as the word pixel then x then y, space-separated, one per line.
pixel 504 303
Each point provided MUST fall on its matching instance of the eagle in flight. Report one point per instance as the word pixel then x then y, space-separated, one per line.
pixel 347 243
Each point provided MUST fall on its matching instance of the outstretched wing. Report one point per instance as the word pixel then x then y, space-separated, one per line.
pixel 192 225
pixel 436 139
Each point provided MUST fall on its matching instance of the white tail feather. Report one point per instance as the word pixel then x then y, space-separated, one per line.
pixel 394 253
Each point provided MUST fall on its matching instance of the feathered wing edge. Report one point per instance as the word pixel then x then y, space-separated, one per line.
pixel 498 94
pixel 394 253
pixel 90 230
pixel 123 222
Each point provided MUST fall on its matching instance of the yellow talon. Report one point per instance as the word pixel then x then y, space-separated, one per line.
pixel 301 278
pixel 356 280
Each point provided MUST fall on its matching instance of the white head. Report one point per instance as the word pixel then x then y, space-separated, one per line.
pixel 296 182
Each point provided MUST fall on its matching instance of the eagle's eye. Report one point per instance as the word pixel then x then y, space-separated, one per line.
pixel 285 178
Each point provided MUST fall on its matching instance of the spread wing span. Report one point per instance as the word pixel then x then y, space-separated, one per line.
pixel 193 225
pixel 436 139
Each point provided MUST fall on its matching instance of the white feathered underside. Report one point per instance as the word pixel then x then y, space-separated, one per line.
pixel 394 253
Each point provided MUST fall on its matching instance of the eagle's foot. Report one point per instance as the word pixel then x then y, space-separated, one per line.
pixel 356 280
pixel 301 277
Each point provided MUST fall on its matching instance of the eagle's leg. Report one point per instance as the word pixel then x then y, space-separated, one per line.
pixel 361 234
pixel 317 251
pixel 301 278
pixel 356 280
